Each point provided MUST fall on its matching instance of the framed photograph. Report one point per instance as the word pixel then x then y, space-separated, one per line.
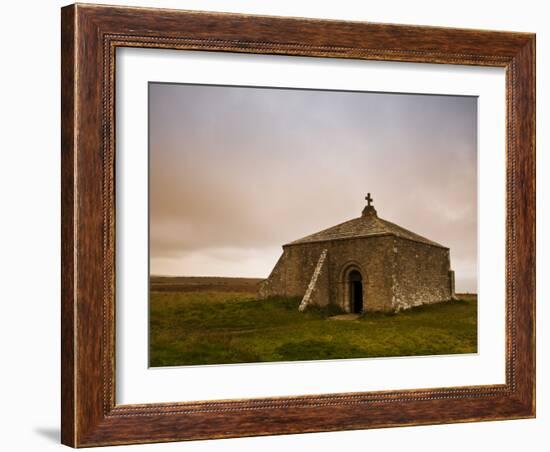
pixel 281 225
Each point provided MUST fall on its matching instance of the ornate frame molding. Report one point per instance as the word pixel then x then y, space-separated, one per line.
pixel 90 36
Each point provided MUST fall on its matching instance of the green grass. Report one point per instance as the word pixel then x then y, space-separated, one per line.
pixel 232 327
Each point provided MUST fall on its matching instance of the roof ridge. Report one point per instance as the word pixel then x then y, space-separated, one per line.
pixel 324 230
pixel 363 226
pixel 408 231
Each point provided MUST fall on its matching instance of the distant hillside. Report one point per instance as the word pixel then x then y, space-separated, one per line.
pixel 203 284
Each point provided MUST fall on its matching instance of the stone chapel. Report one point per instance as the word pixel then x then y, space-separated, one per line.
pixel 363 265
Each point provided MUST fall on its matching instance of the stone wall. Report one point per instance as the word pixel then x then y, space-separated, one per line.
pixel 396 273
pixel 371 257
pixel 292 273
pixel 275 284
pixel 421 274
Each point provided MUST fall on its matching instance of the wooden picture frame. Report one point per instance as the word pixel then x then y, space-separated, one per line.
pixel 90 35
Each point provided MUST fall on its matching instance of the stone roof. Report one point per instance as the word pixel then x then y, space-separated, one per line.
pixel 367 225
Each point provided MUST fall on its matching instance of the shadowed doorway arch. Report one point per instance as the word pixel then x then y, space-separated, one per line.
pixel 355 283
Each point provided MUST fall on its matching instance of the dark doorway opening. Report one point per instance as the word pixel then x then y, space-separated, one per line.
pixel 356 291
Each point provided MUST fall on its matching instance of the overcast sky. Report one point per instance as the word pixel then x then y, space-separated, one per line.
pixel 236 172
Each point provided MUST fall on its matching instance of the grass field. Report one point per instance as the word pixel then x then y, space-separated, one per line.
pixel 220 320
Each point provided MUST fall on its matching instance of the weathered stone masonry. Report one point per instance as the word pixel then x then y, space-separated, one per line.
pixel 365 264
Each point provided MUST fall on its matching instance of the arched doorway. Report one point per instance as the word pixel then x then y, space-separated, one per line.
pixel 355 283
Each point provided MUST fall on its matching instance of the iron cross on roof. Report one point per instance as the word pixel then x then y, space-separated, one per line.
pixel 369 199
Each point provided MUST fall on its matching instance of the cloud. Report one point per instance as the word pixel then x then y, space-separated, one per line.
pixel 236 172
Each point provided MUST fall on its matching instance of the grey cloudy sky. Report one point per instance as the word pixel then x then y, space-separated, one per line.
pixel 236 172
